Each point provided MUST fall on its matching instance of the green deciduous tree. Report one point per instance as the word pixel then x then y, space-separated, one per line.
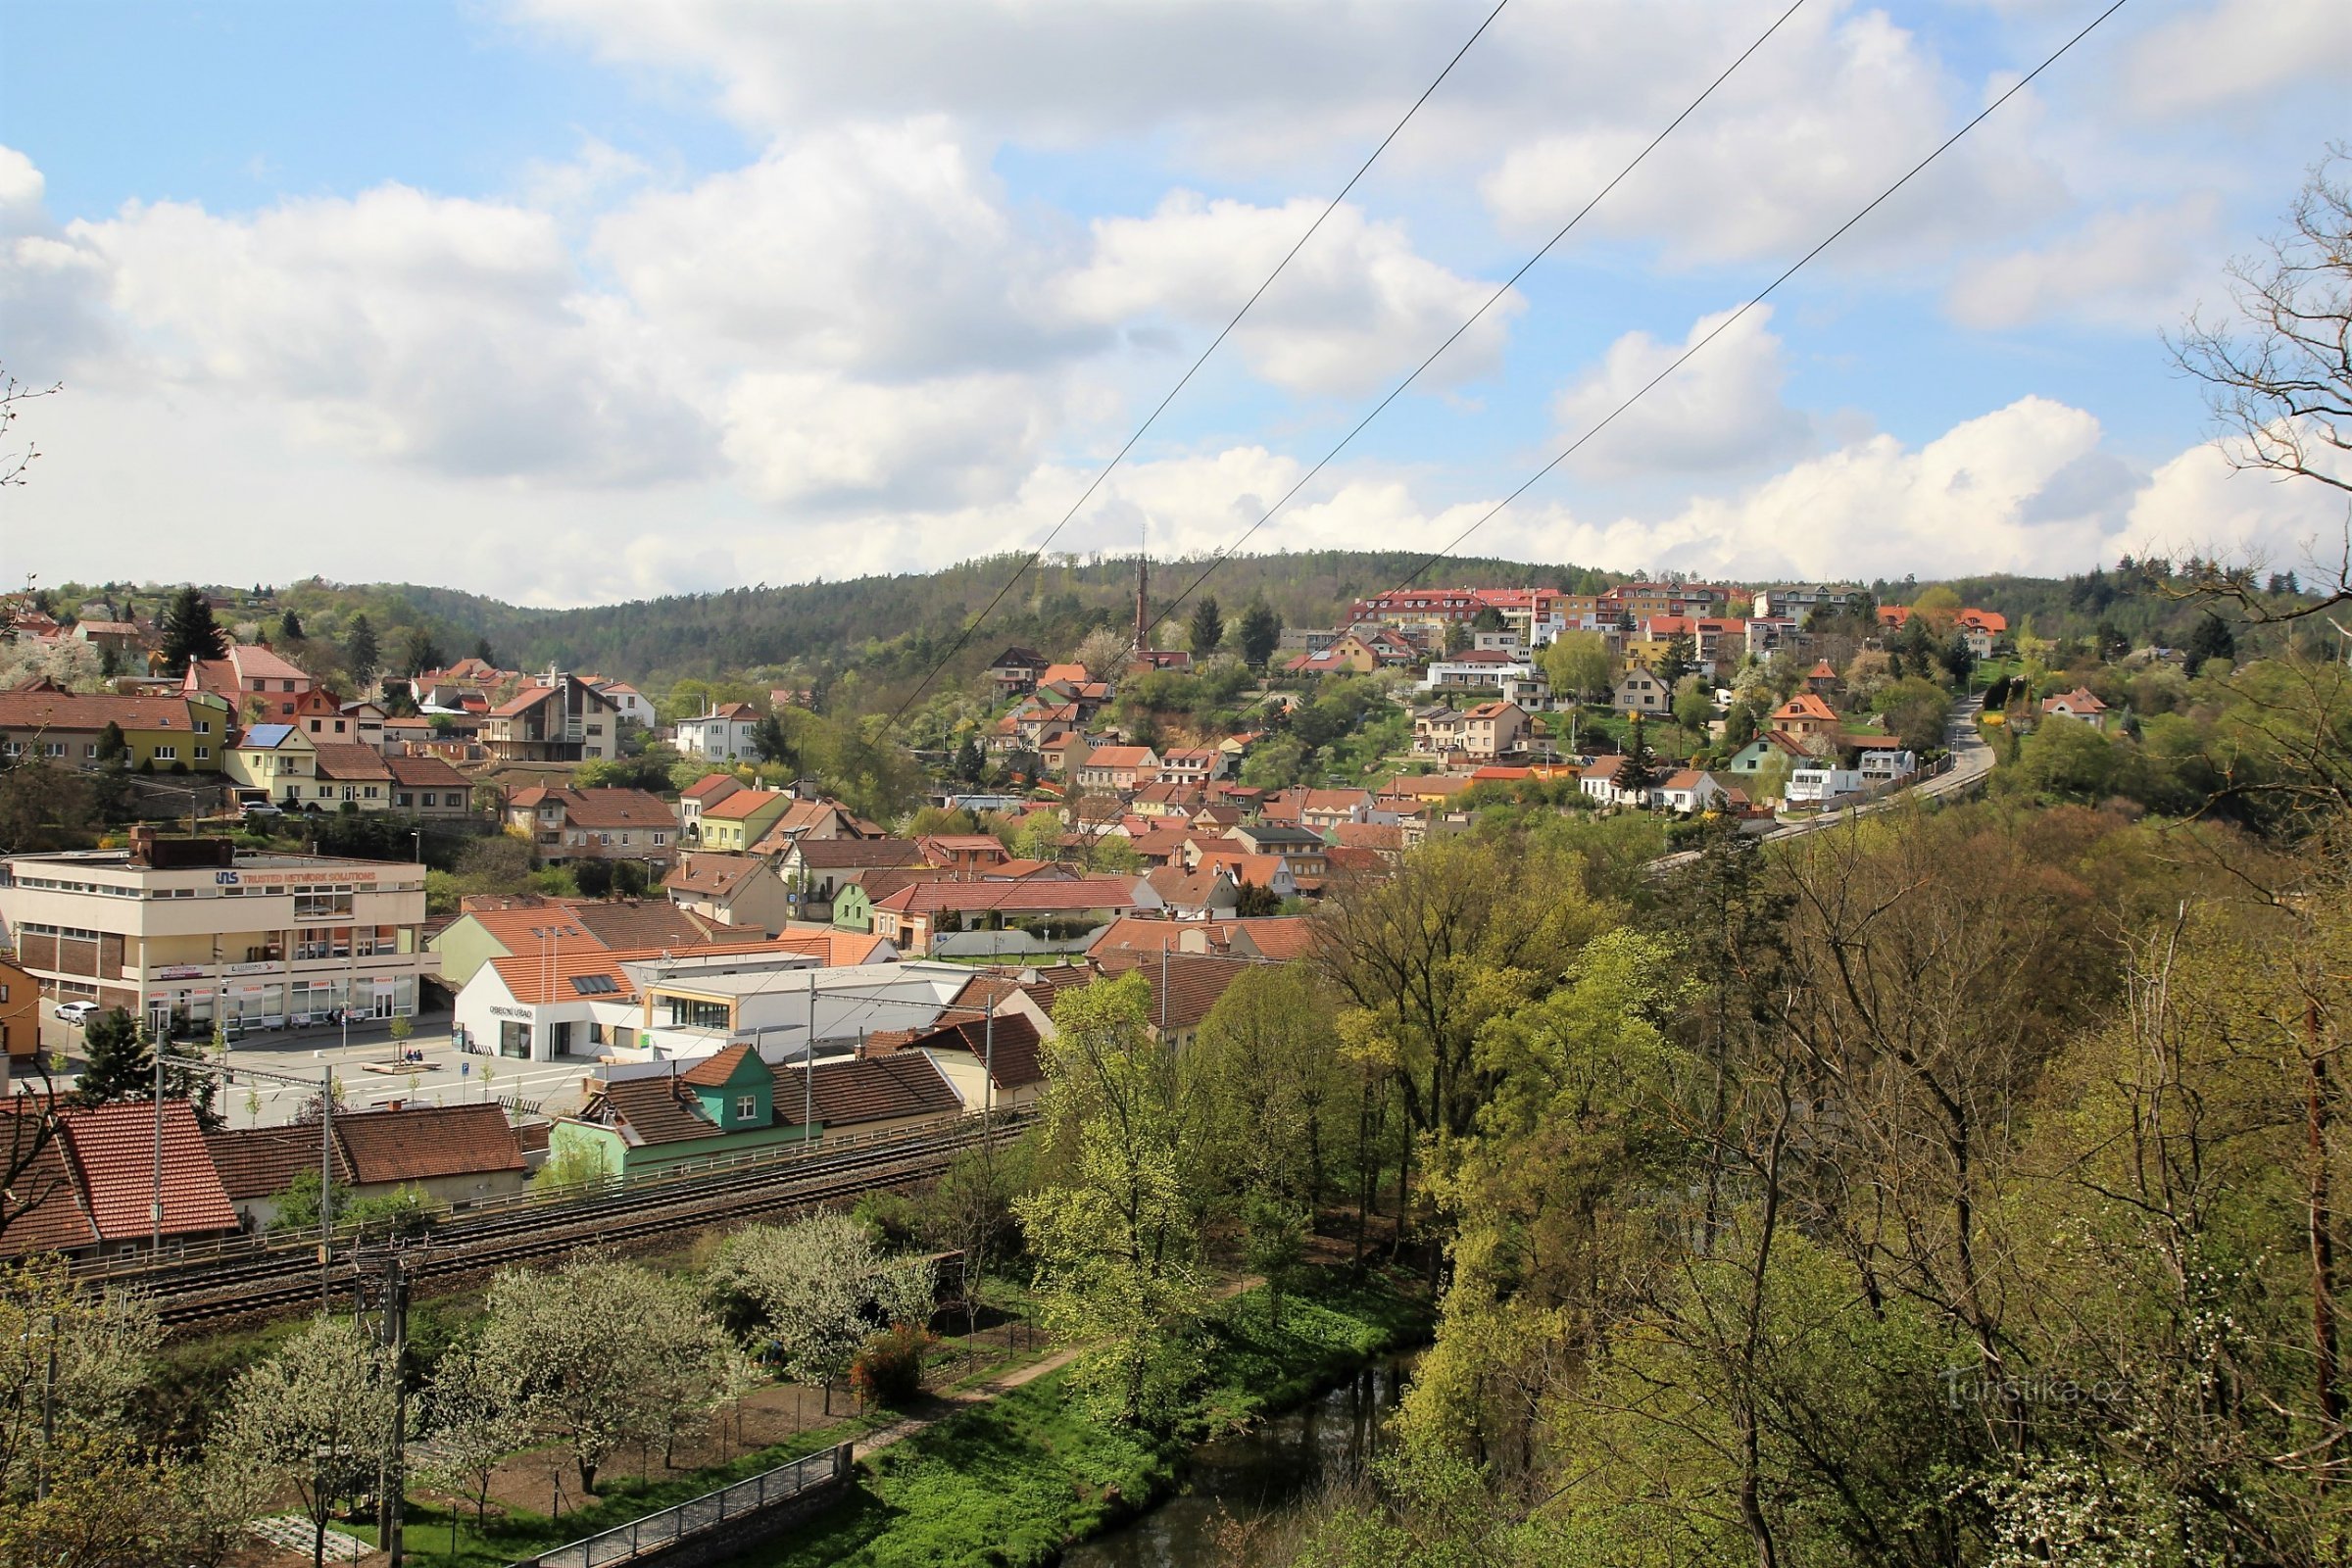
pixel 806 1287
pixel 1580 665
pixel 1111 1225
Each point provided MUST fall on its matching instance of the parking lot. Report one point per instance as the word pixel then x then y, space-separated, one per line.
pixel 443 1077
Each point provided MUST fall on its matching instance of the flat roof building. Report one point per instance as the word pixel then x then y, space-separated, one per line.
pixel 185 931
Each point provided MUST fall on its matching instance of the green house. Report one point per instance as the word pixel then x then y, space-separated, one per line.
pixel 725 1103
pixel 852 908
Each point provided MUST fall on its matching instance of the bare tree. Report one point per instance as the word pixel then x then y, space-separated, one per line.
pixel 12 463
pixel 2278 373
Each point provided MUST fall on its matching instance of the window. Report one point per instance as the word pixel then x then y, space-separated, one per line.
pixel 747 1107
pixel 403 799
pixel 91 750
pixel 204 754
pixel 204 726
pixel 167 754
pixel 58 748
pixel 685 1013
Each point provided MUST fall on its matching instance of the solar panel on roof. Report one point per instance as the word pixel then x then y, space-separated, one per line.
pixel 593 985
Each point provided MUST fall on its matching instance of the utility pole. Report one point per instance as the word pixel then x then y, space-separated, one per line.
pixel 155 1207
pixel 391 1477
pixel 809 1067
pixel 326 1176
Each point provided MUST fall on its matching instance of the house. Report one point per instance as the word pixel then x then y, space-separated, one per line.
pixel 96 1183
pixel 1806 717
pixel 1016 670
pixel 1321 810
pixel 1202 895
pixel 20 1017
pixel 1599 782
pixel 805 820
pixel 1767 634
pixel 721 734
pixel 611 824
pixel 915 916
pixel 1063 753
pixel 427 786
pixel 1819 786
pixel 1821 680
pixel 995 1061
pixel 1980 629
pixel 1687 792
pixel 1185 988
pixel 1359 651
pixel 1275 873
pixel 1885 761
pixel 1300 846
pixel 1494 729
pixel 1191 764
pixel 1478 671
pixel 121 638
pixel 1638 691
pixel 857 887
pixel 258 685
pixel 702 792
pixel 1437 731
pixel 278 762
pixel 1796 602
pixel 68 729
pixel 563 719
pixel 632 705
pixel 366 724
pixel 732 1102
pixel 816 870
pixel 529 926
pixel 737 890
pixel 1118 767
pixel 1753 757
pixel 964 853
pixel 1165 799
pixel 453 1155
pixel 742 818
pixel 1280 938
pixel 354 775
pixel 2078 705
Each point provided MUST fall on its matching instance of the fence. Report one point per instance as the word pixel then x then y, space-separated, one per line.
pixel 659 1532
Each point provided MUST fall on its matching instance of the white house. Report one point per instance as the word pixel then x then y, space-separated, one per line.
pixel 1819 786
pixel 1886 763
pixel 2078 705
pixel 1690 792
pixel 722 735
pixel 631 703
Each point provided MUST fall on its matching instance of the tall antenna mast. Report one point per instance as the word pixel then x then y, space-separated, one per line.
pixel 1143 587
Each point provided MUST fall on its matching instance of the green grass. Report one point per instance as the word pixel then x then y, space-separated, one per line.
pixel 1012 1481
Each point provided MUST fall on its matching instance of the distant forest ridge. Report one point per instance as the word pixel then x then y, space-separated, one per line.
pixel 893 627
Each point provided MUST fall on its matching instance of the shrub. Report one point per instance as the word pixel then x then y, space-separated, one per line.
pixel 889 1369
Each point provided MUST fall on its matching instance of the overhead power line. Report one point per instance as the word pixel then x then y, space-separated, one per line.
pixel 1728 322
pixel 964 636
pixel 1509 283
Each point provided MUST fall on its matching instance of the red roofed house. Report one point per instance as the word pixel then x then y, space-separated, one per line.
pixel 455 1154
pixel 109 1164
pixel 613 824
pixel 964 853
pixel 563 721
pixel 701 795
pixel 1118 767
pixel 427 786
pixel 259 686
pixel 918 915
pixel 1804 717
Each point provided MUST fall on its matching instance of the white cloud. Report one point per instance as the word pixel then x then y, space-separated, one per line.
pixel 451 335
pixel 2136 268
pixel 802 437
pixel 1355 308
pixel 2239 52
pixel 875 248
pixel 1723 410
pixel 1824 117
pixel 2198 504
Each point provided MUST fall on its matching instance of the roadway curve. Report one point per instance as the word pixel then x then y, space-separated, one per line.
pixel 1971 763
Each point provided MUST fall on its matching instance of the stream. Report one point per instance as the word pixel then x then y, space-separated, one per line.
pixel 1252 1473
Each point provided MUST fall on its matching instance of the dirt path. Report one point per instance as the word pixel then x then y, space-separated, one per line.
pixel 948 1403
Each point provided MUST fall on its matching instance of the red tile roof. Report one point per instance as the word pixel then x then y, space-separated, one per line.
pixel 713 1071
pixel 111 1152
pixel 339 759
pixel 68 710
pixel 1011 1049
pixel 418 1143
pixel 710 784
pixel 426 773
pixel 262 1161
pixel 869 1089
pixel 741 806
pixel 1029 895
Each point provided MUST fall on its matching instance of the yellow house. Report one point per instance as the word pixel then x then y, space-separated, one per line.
pixel 742 820
pixel 168 734
pixel 280 761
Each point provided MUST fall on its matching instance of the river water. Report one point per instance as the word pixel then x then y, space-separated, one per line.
pixel 1252 1473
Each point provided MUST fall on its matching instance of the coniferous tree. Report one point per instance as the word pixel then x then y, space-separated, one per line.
pixel 189 633
pixel 1261 633
pixel 2212 638
pixel 1640 768
pixel 419 653
pixel 481 651
pixel 360 652
pixel 289 627
pixel 1208 628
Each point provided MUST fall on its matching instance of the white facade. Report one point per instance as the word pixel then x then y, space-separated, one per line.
pixel 628 702
pixel 1885 765
pixel 717 737
pixel 1817 786
pixel 257 941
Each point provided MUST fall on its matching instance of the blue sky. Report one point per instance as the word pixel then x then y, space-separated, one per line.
pixel 578 300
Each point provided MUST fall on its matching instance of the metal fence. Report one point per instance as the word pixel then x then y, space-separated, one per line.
pixel 657 1531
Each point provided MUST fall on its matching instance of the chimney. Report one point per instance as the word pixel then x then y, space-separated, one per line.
pixel 142 845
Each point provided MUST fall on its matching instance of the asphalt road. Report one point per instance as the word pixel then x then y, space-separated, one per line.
pixel 1972 761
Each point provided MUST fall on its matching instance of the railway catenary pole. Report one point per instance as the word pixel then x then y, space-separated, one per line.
pixel 327 1178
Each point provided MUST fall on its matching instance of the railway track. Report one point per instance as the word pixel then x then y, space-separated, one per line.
pixel 219 1295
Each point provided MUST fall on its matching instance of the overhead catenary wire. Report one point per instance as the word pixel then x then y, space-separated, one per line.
pixel 1509 283
pixel 964 636
pixel 1724 325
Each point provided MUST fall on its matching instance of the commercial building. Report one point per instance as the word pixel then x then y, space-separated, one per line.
pixel 186 931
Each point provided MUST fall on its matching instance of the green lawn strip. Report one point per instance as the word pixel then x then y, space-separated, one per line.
pixel 1012 1482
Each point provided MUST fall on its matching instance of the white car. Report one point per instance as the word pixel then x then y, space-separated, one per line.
pixel 75 1011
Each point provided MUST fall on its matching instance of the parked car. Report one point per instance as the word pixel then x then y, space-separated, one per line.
pixel 259 808
pixel 75 1011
